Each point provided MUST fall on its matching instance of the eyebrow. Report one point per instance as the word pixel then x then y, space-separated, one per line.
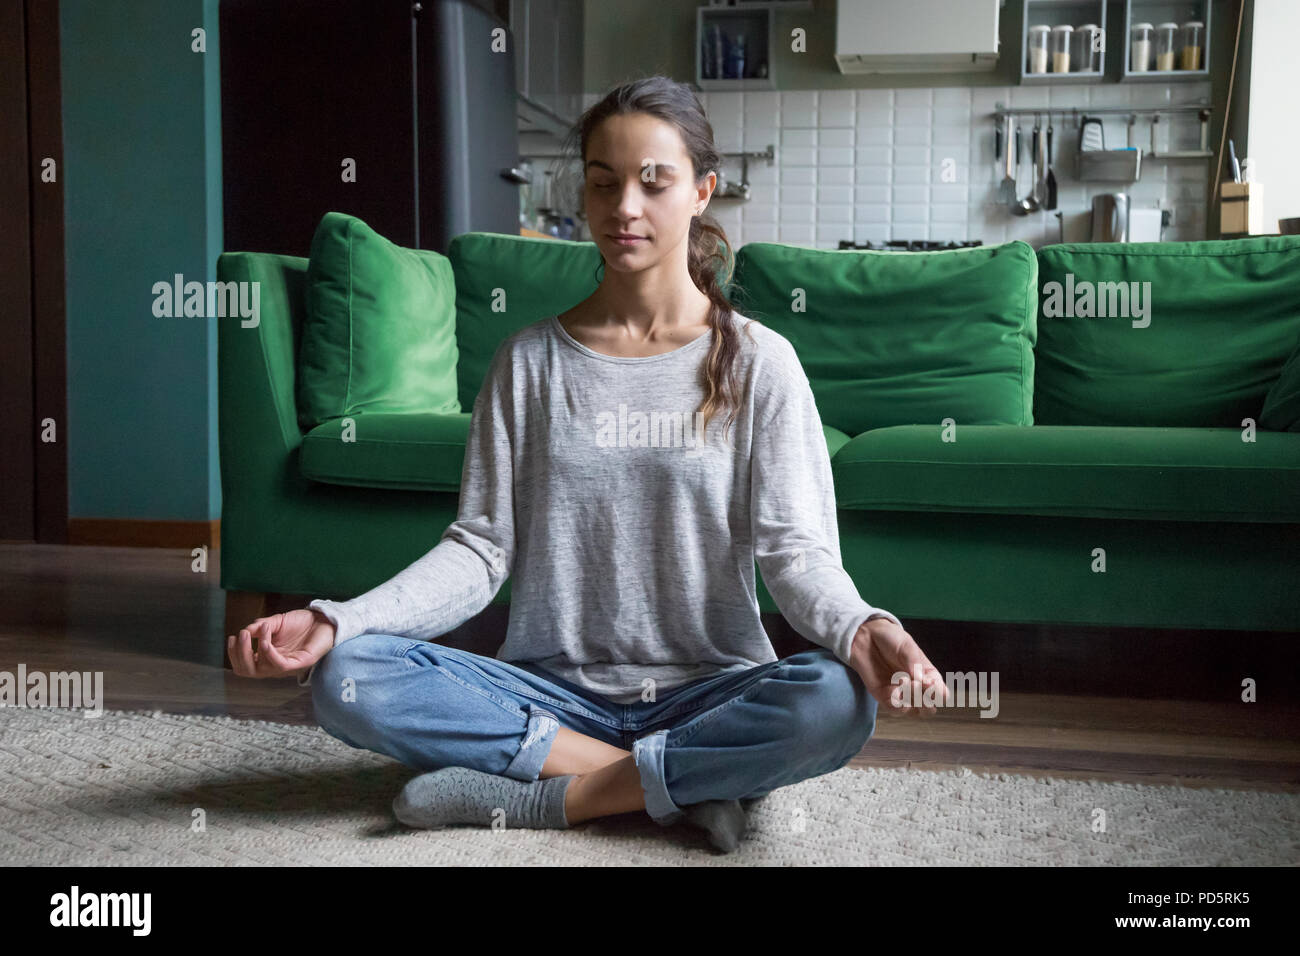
pixel 659 167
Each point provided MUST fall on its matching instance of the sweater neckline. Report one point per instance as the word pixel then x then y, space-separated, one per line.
pixel 695 343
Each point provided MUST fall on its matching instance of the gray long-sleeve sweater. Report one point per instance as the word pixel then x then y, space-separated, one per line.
pixel 631 544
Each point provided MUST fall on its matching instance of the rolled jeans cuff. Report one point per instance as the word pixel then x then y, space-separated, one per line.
pixel 648 752
pixel 535 746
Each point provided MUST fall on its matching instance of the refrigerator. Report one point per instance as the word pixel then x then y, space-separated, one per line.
pixel 400 113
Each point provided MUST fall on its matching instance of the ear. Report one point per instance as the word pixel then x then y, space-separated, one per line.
pixel 705 191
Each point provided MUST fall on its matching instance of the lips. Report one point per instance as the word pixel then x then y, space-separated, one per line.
pixel 628 240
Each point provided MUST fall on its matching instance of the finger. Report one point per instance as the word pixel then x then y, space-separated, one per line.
pixel 922 698
pixel 271 661
pixel 265 637
pixel 895 711
pixel 260 638
pixel 230 653
pixel 919 668
pixel 902 691
pixel 940 689
pixel 930 692
pixel 244 653
pixel 914 660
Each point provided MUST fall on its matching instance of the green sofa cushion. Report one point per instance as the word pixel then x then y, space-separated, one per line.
pixel 506 282
pixel 901 338
pixel 1282 403
pixel 1223 316
pixel 415 452
pixel 835 439
pixel 379 334
pixel 1191 474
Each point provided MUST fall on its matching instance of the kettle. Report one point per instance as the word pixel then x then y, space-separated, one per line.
pixel 1110 217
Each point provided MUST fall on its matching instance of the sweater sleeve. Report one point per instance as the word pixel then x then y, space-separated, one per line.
pixel 459 577
pixel 794 526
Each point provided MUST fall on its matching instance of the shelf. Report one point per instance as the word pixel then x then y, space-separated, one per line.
pixel 1164 76
pixel 1053 13
pixel 1161 11
pixel 750 21
pixel 1038 79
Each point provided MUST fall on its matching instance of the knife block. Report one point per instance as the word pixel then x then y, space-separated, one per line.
pixel 1241 209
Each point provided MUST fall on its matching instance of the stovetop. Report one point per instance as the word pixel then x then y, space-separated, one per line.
pixel 911 245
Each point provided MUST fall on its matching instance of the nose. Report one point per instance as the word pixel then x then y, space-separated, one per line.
pixel 629 202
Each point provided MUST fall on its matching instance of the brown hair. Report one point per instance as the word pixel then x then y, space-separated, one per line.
pixel 710 258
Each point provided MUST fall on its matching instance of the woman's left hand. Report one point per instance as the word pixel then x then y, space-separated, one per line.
pixel 896 671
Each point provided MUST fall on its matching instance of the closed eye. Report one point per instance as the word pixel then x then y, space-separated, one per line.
pixel 649 188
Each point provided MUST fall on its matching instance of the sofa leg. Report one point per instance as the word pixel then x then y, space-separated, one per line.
pixel 242 609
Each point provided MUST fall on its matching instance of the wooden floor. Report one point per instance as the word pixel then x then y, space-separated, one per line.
pixel 1160 707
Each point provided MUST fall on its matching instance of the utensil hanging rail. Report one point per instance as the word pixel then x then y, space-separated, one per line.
pixel 1000 110
pixel 1203 110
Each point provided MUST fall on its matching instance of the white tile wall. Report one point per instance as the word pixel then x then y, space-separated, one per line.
pixel 883 164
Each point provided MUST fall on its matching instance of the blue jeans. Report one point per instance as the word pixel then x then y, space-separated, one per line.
pixel 737 735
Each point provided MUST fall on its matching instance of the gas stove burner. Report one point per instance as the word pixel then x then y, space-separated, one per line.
pixel 911 245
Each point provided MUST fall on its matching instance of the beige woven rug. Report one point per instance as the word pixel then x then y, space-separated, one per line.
pixel 125 788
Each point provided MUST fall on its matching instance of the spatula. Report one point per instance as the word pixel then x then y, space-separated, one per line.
pixel 1007 191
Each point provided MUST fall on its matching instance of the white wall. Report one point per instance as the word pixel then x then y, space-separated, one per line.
pixel 1274 124
pixel 867 165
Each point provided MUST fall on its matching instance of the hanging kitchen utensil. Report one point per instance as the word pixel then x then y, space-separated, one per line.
pixel 1051 174
pixel 1030 203
pixel 1007 191
pixel 1040 183
pixel 997 146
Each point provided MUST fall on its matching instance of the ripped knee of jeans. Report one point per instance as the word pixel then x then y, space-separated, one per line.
pixel 540 726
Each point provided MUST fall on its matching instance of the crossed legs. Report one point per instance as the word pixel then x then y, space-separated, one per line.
pixel 607 780
pixel 433 707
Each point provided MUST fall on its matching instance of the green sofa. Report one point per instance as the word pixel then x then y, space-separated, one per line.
pixel 999 455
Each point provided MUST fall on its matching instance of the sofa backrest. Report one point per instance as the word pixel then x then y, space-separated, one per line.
pixel 902 338
pixel 506 282
pixel 1202 330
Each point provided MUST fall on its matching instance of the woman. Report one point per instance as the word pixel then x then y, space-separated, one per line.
pixel 636 674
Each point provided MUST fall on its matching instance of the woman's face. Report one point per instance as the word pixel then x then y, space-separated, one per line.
pixel 639 183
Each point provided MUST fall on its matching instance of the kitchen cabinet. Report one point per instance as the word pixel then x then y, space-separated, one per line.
pixel 1086 58
pixel 548 37
pixel 1156 12
pixel 733 47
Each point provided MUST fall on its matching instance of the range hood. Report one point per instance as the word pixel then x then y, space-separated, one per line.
pixel 916 36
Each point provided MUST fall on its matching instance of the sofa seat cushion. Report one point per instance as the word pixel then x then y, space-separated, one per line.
pixel 902 338
pixel 415 451
pixel 1193 474
pixel 379 333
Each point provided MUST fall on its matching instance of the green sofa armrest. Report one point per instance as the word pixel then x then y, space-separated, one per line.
pixel 256 371
pixel 281 531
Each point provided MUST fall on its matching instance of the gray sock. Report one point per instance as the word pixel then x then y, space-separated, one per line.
pixel 462 795
pixel 724 820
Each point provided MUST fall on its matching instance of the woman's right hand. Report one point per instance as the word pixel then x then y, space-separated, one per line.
pixel 287 644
